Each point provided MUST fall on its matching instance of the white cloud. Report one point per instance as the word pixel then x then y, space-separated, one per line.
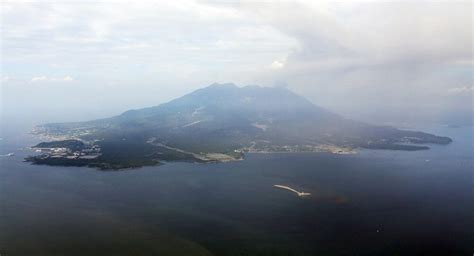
pixel 52 79
pixel 377 53
pixel 225 45
pixel 68 78
pixel 382 56
pixel 277 64
pixel 38 79
pixel 197 38
pixel 133 46
pixel 463 89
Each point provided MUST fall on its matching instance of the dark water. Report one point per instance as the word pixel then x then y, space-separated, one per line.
pixel 372 203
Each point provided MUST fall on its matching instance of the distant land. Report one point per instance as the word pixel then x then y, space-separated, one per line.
pixel 218 123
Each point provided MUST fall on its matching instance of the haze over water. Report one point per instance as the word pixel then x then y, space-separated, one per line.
pixel 357 63
pixel 372 203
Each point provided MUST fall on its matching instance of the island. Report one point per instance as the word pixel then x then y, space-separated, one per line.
pixel 219 123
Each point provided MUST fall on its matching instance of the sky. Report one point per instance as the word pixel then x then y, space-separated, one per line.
pixel 392 62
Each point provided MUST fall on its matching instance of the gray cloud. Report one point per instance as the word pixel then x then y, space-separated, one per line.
pixel 358 58
pixel 388 57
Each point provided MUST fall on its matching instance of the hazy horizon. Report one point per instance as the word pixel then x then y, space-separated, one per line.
pixel 387 62
pixel 369 151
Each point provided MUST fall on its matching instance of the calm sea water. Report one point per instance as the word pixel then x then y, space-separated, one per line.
pixel 372 203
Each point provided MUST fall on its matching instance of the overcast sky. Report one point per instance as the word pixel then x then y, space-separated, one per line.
pixel 377 61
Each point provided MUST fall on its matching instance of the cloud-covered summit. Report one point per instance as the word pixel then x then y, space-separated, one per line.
pixel 352 57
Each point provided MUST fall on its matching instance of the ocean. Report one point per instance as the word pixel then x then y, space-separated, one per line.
pixel 376 202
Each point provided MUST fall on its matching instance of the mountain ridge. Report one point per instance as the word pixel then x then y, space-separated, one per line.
pixel 229 120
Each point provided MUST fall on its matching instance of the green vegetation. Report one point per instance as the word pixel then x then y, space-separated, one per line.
pixel 397 147
pixel 58 161
pixel 224 119
pixel 115 154
pixel 69 144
